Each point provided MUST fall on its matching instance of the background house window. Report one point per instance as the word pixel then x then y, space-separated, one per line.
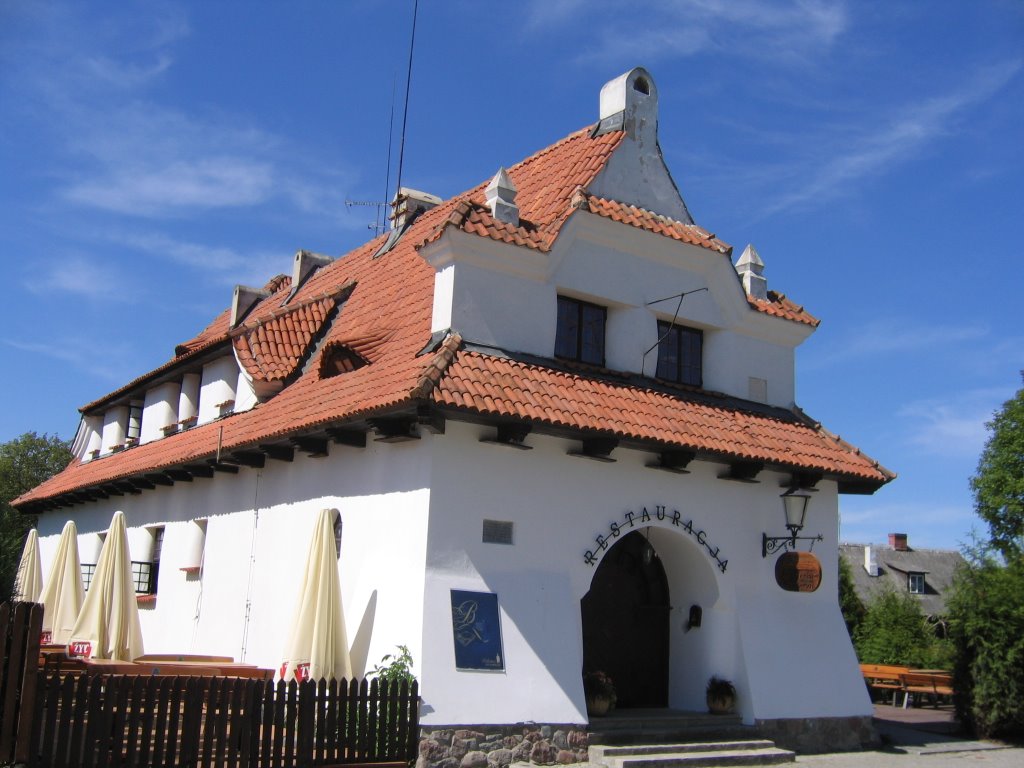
pixel 580 332
pixel 680 350
pixel 915 583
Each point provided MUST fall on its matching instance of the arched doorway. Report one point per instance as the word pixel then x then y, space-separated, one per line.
pixel 625 623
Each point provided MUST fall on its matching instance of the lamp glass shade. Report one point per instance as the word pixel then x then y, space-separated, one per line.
pixel 796 509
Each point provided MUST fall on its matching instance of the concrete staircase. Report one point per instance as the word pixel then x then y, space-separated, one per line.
pixel 668 739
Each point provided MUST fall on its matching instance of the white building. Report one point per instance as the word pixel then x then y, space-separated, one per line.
pixel 497 402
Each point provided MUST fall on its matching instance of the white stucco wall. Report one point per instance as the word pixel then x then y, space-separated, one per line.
pixel 752 632
pixel 499 295
pixel 259 523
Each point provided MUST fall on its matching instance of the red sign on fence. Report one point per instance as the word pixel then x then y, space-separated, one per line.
pixel 80 648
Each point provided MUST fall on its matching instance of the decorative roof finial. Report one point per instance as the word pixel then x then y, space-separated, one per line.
pixel 501 198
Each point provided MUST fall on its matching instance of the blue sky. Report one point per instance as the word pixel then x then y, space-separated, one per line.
pixel 152 155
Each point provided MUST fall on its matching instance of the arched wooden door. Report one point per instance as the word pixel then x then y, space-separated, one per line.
pixel 625 623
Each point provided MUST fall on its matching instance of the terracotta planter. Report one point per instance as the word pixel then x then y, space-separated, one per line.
pixel 598 706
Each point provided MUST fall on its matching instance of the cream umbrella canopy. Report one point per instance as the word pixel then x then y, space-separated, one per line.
pixel 318 646
pixel 29 581
pixel 63 595
pixel 108 625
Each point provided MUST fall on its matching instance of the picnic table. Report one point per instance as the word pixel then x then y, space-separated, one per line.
pixel 930 683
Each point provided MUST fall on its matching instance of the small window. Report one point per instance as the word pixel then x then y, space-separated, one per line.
pixel 337 535
pixel 338 359
pixel 679 353
pixel 915 583
pixel 142 577
pixel 88 569
pixel 497 532
pixel 580 332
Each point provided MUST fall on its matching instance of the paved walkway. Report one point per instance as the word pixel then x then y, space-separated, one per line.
pixel 920 737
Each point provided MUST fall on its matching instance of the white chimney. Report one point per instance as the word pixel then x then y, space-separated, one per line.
pixel 304 265
pixel 750 268
pixel 630 103
pixel 410 203
pixel 243 300
pixel 870 563
pixel 501 198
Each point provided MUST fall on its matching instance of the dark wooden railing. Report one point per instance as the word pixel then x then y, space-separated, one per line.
pixel 137 720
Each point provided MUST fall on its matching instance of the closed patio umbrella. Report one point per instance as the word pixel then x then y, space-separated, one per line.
pixel 318 646
pixel 63 594
pixel 29 581
pixel 108 625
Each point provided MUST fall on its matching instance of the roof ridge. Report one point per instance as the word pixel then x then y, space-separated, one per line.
pixel 438 365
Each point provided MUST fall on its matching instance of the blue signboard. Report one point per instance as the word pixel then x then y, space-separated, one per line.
pixel 477 630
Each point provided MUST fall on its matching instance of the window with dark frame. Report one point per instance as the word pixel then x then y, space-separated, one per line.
pixel 680 352
pixel 88 569
pixel 915 583
pixel 580 331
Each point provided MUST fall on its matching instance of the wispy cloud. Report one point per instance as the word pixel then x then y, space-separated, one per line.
pixel 869 521
pixel 834 162
pixel 226 265
pixel 106 361
pixel 668 30
pixel 893 335
pixel 80 276
pixel 952 426
pixel 120 147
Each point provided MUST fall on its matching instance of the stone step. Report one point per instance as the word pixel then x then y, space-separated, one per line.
pixel 671 732
pixel 705 754
pixel 601 752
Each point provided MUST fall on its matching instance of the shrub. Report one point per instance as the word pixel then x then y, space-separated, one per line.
pixel 894 631
pixel 986 622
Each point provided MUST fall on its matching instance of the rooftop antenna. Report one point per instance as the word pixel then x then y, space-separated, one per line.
pixel 379 226
pixel 408 83
pixel 671 325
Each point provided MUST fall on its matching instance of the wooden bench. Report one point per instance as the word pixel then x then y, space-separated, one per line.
pixel 930 684
pixel 885 677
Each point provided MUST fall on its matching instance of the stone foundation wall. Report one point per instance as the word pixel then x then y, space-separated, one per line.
pixel 820 734
pixel 497 746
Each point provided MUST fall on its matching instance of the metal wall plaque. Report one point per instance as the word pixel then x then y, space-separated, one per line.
pixel 476 627
pixel 798 572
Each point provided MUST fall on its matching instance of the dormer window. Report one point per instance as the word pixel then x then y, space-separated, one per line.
pixel 680 350
pixel 580 332
pixel 915 583
pixel 338 359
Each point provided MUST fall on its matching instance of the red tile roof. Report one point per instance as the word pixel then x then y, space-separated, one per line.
pixel 387 319
pixel 779 306
pixel 712 424
pixel 271 345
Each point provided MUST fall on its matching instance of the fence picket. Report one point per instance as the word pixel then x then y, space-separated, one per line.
pixel 89 721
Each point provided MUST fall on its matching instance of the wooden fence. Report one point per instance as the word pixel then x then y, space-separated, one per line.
pixel 228 722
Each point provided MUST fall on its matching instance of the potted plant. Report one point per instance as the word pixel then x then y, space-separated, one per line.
pixel 600 693
pixel 721 696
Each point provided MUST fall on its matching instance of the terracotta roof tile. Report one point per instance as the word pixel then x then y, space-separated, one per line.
pixel 387 318
pixel 779 306
pixel 652 222
pixel 694 421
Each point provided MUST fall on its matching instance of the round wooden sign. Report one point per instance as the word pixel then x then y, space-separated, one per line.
pixel 798 572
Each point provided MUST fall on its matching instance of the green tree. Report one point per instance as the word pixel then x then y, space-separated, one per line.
pixel 25 462
pixel 849 602
pixel 999 484
pixel 894 631
pixel 986 622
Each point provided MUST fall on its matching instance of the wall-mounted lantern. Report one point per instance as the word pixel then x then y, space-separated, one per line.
pixel 795 504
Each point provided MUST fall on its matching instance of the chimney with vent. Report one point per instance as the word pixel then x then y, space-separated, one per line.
pixel 898 542
pixel 410 203
pixel 243 300
pixel 501 198
pixel 750 268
